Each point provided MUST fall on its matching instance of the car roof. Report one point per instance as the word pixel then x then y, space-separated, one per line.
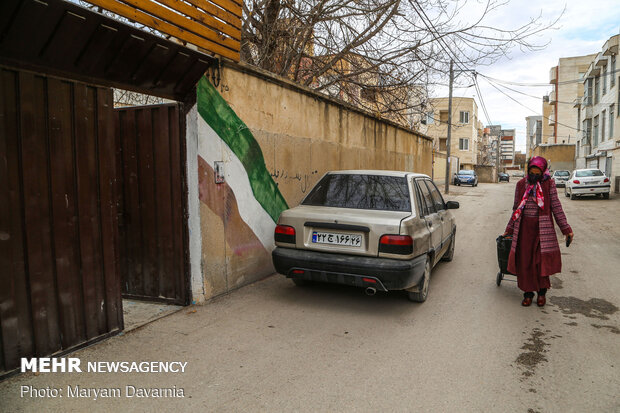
pixel 378 172
pixel 588 169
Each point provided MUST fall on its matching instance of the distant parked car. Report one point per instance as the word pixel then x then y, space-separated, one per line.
pixel 587 182
pixel 466 177
pixel 518 174
pixel 378 230
pixel 560 177
pixel 504 177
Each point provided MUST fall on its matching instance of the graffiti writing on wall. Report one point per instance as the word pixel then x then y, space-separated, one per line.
pixel 284 175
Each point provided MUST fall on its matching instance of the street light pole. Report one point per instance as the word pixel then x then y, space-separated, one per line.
pixel 448 143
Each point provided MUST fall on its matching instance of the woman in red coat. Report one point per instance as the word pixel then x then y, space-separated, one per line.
pixel 534 252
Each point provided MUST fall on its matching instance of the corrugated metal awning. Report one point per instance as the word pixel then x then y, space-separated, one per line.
pixel 60 38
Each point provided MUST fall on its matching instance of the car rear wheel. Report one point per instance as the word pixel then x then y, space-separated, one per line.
pixel 420 295
pixel 606 195
pixel 573 196
pixel 565 192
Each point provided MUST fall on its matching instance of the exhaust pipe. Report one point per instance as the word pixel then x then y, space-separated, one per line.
pixel 370 291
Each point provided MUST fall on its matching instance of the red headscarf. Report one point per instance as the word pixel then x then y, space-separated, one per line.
pixel 533 189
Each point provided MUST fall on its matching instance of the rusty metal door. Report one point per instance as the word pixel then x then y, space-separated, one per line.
pixel 153 225
pixel 59 268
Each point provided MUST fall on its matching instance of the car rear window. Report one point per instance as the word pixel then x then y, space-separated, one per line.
pixel 589 172
pixel 561 173
pixel 377 192
pixel 466 172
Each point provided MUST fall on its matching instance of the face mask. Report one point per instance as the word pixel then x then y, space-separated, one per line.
pixel 533 178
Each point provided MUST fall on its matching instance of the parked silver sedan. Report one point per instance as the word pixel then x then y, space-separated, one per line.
pixel 379 230
pixel 587 182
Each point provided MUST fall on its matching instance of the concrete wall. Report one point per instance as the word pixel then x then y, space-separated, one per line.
pixel 439 166
pixel 271 141
pixel 486 173
pixel 560 156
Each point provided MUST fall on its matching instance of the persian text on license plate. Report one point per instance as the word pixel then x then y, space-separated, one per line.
pixel 336 239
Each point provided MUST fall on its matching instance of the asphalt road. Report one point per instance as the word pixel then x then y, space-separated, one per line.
pixel 471 347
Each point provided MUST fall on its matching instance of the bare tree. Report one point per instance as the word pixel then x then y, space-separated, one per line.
pixel 378 54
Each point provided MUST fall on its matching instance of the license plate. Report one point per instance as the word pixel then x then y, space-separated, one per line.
pixel 350 240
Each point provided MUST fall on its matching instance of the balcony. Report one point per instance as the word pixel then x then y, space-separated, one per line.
pixel 552 118
pixel 611 46
pixel 553 75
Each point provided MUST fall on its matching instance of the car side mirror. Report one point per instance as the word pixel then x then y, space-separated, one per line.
pixel 452 205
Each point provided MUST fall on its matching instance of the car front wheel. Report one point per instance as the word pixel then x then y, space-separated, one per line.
pixel 420 295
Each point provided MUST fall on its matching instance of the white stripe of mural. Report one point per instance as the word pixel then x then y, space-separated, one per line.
pixel 212 149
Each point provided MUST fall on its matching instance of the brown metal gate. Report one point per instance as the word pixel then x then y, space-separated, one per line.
pixel 59 268
pixel 153 225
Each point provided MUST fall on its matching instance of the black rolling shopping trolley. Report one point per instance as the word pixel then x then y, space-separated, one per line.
pixel 503 250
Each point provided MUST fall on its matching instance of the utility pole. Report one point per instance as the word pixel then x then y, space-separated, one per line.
pixel 448 143
pixel 499 140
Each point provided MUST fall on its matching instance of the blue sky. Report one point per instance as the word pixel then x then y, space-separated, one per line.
pixel 583 29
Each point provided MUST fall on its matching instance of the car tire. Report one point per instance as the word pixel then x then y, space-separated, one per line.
pixel 422 293
pixel 606 195
pixel 566 193
pixel 573 197
pixel 449 254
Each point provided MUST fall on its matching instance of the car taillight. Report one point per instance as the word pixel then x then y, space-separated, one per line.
pixel 606 180
pixel 284 233
pixel 575 181
pixel 396 244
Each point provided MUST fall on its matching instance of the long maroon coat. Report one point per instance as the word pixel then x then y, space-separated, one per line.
pixel 551 258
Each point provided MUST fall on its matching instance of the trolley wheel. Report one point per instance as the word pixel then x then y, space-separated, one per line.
pixel 499 278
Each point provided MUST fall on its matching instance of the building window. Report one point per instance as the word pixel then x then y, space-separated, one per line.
pixel 603 115
pixel 611 121
pixel 588 91
pixel 464 118
pixel 604 80
pixel 597 89
pixel 442 144
pixel 443 116
pixel 595 132
pixel 612 72
pixel 429 118
pixel 463 143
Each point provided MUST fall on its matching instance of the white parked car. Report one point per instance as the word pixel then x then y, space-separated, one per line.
pixel 587 182
pixel 560 177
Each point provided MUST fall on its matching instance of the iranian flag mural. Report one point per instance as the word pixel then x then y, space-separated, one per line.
pixel 249 201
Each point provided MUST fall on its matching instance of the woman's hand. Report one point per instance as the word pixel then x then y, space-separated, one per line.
pixel 569 236
pixel 506 234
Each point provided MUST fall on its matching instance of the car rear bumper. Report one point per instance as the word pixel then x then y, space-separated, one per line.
pixel 560 184
pixel 591 189
pixel 387 274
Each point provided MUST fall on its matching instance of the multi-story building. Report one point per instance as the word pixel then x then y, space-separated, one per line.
pixel 507 147
pixel 465 128
pixel 597 112
pixel 533 134
pixel 558 111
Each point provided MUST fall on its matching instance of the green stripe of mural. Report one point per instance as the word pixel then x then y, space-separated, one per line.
pixel 225 122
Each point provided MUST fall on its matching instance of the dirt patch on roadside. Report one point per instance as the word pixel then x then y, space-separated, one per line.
pixel 613 329
pixel 534 347
pixel 593 308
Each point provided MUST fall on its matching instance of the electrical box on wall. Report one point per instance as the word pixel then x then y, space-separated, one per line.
pixel 219 172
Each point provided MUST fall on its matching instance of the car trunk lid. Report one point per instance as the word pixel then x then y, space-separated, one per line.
pixel 341 230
